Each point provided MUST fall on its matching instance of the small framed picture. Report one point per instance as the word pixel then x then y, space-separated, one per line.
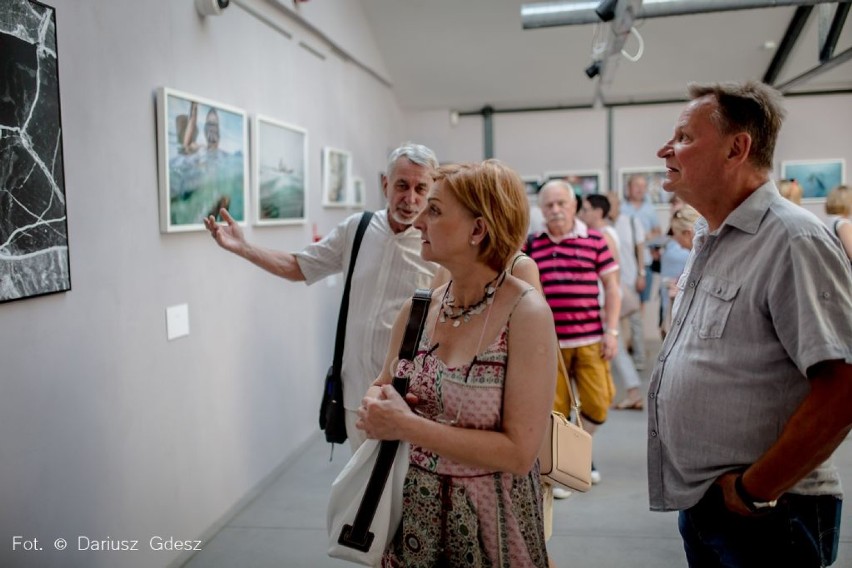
pixel 280 171
pixel 203 160
pixel 585 182
pixel 336 177
pixel 816 177
pixel 654 177
pixel 357 198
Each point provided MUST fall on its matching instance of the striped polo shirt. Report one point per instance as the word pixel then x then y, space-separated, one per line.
pixel 570 268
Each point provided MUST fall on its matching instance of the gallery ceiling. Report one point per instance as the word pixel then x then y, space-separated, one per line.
pixel 464 55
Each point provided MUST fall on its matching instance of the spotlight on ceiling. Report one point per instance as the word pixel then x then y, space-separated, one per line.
pixel 593 70
pixel 606 10
pixel 211 7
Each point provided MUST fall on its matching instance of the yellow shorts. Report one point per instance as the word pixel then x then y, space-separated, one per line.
pixel 591 374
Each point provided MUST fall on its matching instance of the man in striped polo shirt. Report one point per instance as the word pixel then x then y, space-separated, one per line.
pixel 571 258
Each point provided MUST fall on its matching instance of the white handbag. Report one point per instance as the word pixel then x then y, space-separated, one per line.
pixel 347 493
pixel 365 506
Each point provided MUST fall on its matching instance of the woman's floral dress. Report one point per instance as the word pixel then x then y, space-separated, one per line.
pixel 455 514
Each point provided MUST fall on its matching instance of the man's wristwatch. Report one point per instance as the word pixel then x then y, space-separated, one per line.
pixel 612 332
pixel 753 504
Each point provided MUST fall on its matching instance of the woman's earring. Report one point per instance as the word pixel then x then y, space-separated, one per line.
pixel 473 243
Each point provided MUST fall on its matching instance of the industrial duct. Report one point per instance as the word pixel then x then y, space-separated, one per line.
pixel 550 14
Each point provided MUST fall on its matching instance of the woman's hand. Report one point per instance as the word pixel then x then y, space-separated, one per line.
pixel 381 417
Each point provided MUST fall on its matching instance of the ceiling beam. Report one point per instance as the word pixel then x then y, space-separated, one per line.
pixel 791 36
pixel 827 48
pixel 565 13
pixel 818 70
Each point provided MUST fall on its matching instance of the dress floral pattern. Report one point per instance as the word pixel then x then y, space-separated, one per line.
pixel 456 515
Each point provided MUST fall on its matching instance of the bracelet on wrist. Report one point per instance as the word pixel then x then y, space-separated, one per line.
pixel 748 499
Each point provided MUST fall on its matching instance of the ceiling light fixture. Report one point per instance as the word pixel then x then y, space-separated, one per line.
pixel 593 70
pixel 606 10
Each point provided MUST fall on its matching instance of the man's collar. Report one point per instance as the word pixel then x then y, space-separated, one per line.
pixel 749 214
pixel 578 231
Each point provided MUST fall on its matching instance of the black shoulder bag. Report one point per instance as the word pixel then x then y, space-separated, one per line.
pixel 332 415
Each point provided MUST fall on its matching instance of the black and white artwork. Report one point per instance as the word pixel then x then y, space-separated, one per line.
pixel 33 227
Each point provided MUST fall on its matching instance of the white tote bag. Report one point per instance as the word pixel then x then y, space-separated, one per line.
pixel 360 529
pixel 346 494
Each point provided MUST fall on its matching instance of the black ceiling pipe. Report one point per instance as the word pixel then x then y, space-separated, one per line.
pixel 791 36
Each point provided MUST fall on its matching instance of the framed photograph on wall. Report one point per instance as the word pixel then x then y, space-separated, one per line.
pixel 203 160
pixel 336 177
pixel 357 198
pixel 654 176
pixel 532 184
pixel 33 219
pixel 280 168
pixel 817 177
pixel 587 182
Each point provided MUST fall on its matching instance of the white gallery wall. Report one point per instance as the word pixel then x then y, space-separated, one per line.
pixel 537 142
pixel 107 429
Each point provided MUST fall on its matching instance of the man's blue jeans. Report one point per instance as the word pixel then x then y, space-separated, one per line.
pixel 801 532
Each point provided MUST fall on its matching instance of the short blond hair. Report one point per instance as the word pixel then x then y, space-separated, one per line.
pixel 790 189
pixel 839 201
pixel 684 219
pixel 496 193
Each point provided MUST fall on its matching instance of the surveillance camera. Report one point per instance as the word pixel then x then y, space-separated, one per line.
pixel 593 70
pixel 606 10
pixel 211 7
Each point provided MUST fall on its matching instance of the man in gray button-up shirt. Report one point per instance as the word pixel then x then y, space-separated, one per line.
pixel 752 390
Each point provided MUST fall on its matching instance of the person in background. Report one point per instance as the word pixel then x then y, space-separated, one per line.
pixel 571 258
pixel 387 271
pixel 790 189
pixel 656 248
pixel 595 212
pixel 675 204
pixel 523 267
pixel 752 391
pixel 481 386
pixel 838 206
pixel 673 260
pixel 638 205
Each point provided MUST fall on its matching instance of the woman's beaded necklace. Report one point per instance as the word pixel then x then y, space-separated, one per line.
pixel 463 313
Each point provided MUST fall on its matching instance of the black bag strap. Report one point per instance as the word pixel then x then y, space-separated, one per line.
pixel 358 535
pixel 337 362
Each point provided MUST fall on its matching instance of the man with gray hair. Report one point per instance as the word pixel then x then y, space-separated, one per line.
pixel 387 271
pixel 571 259
pixel 752 390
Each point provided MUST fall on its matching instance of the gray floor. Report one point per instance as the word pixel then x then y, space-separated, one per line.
pixel 610 526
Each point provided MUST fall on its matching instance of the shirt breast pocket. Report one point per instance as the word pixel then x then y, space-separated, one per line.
pixel 716 299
